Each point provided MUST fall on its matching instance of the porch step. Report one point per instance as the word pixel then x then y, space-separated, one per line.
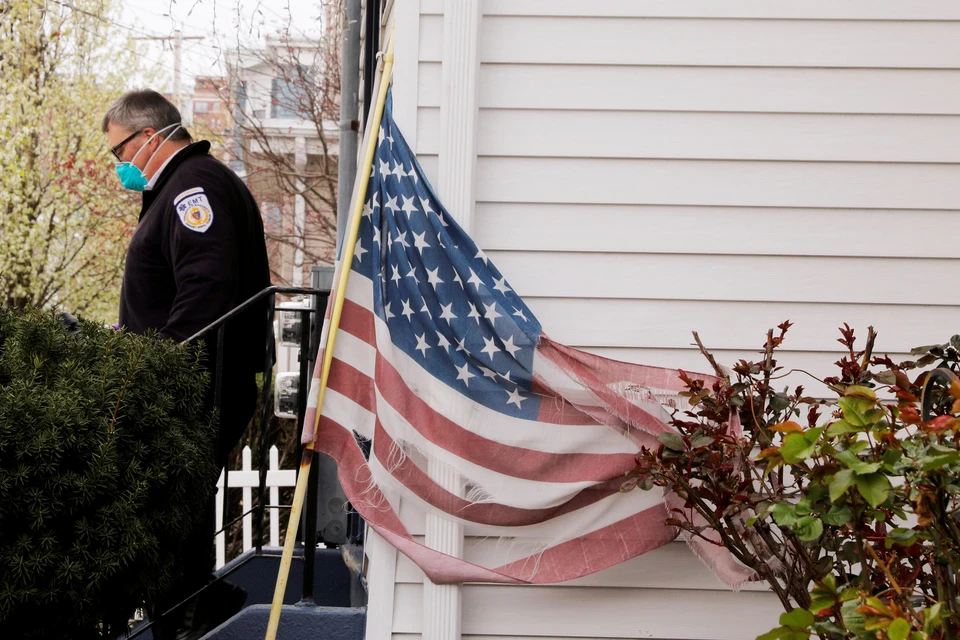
pixel 258 575
pixel 297 622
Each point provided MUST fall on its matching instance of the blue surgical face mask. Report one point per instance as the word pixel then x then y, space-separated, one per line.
pixel 131 177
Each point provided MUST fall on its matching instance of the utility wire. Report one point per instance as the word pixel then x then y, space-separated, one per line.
pixel 40 3
pixel 70 5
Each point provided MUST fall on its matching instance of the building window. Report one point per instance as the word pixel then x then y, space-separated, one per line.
pixel 201 107
pixel 288 94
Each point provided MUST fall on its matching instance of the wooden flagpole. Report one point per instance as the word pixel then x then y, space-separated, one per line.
pixel 346 256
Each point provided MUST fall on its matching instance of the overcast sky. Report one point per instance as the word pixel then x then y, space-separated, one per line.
pixel 222 23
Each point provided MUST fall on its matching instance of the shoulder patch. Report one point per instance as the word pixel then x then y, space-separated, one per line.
pixel 194 209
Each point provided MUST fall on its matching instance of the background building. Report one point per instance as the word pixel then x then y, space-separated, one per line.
pixel 279 116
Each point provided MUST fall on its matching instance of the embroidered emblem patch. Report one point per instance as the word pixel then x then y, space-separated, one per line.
pixel 194 209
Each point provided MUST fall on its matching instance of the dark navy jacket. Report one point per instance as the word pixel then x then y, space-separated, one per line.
pixel 198 252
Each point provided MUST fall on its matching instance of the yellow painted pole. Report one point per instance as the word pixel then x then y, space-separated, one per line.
pixel 346 254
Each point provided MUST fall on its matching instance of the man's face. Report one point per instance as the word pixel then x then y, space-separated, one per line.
pixel 125 143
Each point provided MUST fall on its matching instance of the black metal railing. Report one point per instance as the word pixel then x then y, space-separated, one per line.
pixel 309 342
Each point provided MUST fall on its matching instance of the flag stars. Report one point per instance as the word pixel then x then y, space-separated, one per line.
pixel 461 345
pixel 408 207
pixel 481 255
pixel 359 251
pixel 490 347
pixel 367 209
pixel 396 273
pixel 413 274
pixel 519 314
pixel 420 242
pixel 422 345
pixel 514 397
pixel 501 285
pixel 475 280
pixel 425 309
pixel 407 311
pixel 488 373
pixel 392 204
pixel 443 342
pixel 425 204
pixel 446 312
pixel 490 313
pixel 384 169
pixel 387 312
pixel 433 277
pixel 376 235
pixel 413 174
pixel 398 170
pixel 402 239
pixel 463 373
pixel 473 312
pixel 510 347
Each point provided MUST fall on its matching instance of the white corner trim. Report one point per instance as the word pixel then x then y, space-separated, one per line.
pixel 458 108
pixel 381 585
pixel 406 68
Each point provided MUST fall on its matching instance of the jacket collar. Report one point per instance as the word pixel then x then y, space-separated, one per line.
pixel 200 148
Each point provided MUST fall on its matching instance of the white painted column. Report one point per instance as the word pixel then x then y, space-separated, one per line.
pixel 300 211
pixel 457 160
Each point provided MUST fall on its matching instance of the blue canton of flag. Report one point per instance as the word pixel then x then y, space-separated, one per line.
pixel 445 303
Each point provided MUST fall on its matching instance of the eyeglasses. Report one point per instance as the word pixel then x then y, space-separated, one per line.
pixel 116 150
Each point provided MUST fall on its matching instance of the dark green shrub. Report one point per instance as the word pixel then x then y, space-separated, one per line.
pixel 105 464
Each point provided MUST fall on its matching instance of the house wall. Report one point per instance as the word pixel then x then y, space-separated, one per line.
pixel 647 168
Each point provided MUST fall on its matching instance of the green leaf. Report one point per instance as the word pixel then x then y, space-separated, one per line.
pixel 808 528
pixel 851 461
pixel 899 629
pixel 858 391
pixel 891 457
pixel 854 408
pixel 785 514
pixel 702 441
pixel 838 515
pixel 829 627
pixel 848 594
pixel 858 446
pixel 905 537
pixel 840 483
pixel 672 441
pixel 874 487
pixel 842 426
pixel 796 448
pixel 886 377
pixel 931 619
pixel 812 435
pixel 773 634
pixel 853 620
pixel 797 619
pixel 932 463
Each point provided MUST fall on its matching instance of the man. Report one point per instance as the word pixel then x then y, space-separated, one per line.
pixel 197 253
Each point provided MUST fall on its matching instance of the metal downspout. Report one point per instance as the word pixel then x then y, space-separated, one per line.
pixel 349 112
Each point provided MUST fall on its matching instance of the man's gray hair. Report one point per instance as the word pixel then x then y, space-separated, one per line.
pixel 137 110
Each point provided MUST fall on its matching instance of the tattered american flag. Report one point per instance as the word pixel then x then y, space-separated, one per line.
pixel 473 412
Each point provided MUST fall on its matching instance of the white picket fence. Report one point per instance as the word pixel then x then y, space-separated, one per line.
pixel 248 479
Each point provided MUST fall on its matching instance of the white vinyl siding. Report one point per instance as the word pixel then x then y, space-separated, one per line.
pixel 647 168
